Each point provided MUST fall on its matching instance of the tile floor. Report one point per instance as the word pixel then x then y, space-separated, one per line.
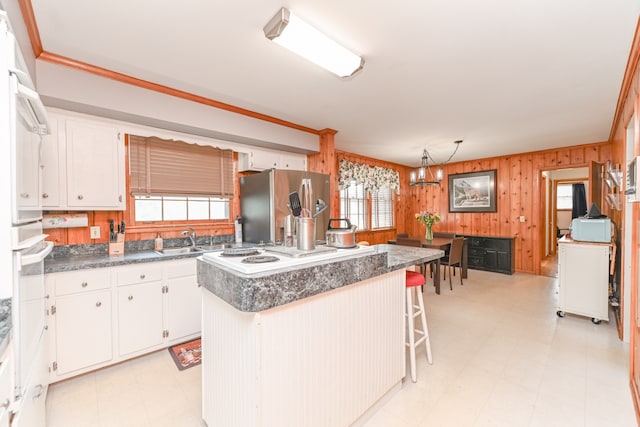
pixel 501 357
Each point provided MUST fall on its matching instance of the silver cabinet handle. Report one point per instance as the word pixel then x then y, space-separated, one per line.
pixel 80 197
pixel 84 284
pixel 130 298
pixel 98 304
pixel 24 195
pixel 142 276
pixel 45 196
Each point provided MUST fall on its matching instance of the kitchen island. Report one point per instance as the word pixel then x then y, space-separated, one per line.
pixel 318 342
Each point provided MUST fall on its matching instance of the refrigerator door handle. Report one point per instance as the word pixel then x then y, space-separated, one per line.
pixel 35 108
pixel 37 257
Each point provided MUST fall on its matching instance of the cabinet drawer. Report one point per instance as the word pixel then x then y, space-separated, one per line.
pixel 181 268
pixel 82 281
pixel 139 274
pixel 477 252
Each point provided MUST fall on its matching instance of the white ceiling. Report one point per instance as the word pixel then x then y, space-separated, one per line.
pixel 507 76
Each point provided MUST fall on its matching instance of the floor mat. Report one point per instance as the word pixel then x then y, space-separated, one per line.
pixel 187 354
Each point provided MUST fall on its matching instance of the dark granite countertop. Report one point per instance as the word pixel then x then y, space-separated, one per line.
pixel 262 291
pixel 81 257
pixel 81 262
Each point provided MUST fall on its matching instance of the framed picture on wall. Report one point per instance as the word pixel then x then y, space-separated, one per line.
pixel 473 192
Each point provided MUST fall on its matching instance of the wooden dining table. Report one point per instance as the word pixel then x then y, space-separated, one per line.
pixel 442 243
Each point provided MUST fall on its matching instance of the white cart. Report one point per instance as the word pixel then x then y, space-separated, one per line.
pixel 583 272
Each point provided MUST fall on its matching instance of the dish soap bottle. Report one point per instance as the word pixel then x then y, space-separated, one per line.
pixel 158 244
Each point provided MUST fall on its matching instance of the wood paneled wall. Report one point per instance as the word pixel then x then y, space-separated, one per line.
pixel 518 194
pixel 628 106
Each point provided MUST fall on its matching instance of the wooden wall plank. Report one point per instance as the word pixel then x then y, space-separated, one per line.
pixel 516 189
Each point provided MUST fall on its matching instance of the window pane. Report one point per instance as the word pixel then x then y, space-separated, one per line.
pixel 382 208
pixel 175 209
pixel 198 207
pixel 219 208
pixel 564 196
pixel 148 208
pixel 353 205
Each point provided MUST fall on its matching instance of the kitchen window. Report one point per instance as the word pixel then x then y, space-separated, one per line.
pixel 382 208
pixel 367 212
pixel 178 181
pixel 176 208
pixel 353 205
pixel 564 196
pixel 366 194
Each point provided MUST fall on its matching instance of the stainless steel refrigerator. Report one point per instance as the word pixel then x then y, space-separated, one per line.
pixel 264 199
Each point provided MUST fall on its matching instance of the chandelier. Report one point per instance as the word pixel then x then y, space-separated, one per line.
pixel 425 175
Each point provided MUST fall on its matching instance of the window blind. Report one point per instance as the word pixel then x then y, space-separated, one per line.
pixel 382 208
pixel 167 167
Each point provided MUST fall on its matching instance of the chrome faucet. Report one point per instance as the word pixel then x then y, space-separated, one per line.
pixel 192 235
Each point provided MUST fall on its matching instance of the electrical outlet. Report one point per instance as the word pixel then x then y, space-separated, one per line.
pixel 95 232
pixel 522 218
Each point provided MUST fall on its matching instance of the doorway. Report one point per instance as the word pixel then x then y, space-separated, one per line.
pixel 557 211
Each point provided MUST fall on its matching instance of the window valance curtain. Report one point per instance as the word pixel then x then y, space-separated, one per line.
pixel 372 177
pixel 167 167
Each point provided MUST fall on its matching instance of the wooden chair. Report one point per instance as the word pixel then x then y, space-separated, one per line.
pixel 446 236
pixel 454 259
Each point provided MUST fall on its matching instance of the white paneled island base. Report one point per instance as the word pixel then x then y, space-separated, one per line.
pixel 324 360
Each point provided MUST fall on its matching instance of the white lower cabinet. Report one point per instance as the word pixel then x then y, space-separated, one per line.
pixel 31 411
pixel 83 330
pixel 103 316
pixel 184 298
pixel 6 386
pixel 139 317
pixel 583 279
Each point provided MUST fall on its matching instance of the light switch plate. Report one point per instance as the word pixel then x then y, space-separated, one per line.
pixel 522 218
pixel 95 232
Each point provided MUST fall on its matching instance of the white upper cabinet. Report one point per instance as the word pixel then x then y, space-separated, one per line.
pixel 83 166
pixel 257 160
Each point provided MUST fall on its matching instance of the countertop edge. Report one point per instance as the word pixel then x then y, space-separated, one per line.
pixel 259 292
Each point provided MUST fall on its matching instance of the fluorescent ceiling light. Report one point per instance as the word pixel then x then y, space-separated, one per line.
pixel 289 31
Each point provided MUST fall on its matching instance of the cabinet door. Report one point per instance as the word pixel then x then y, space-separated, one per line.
pixel 583 273
pixel 139 316
pixel 490 259
pixel 6 386
pixel 260 160
pixel 503 261
pixel 83 330
pixel 293 161
pixel 31 410
pixel 53 161
pixel 184 305
pixel 95 166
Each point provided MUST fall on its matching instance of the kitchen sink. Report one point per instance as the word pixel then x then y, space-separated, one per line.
pixel 177 251
pixel 196 249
